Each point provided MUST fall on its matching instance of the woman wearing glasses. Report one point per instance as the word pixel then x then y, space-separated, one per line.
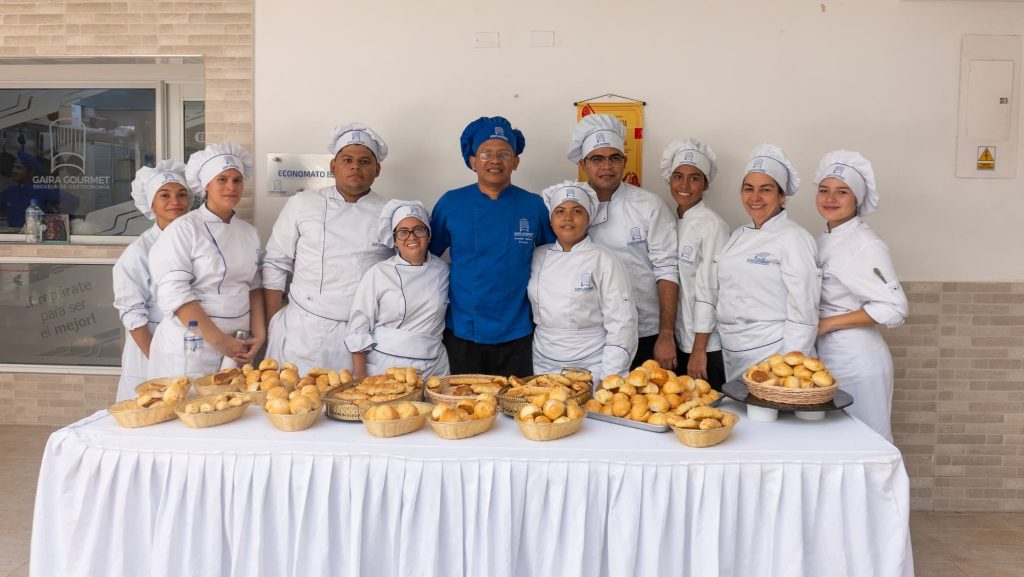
pixel 397 317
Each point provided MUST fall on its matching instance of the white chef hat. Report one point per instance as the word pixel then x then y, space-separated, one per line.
pixel 149 179
pixel 394 211
pixel 771 160
pixel 689 151
pixel 571 190
pixel 357 133
pixel 596 131
pixel 205 165
pixel 856 171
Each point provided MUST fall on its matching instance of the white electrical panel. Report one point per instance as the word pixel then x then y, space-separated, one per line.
pixel 989 107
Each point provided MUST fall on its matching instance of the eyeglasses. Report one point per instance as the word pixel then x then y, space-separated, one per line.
pixel 614 160
pixel 419 232
pixel 503 155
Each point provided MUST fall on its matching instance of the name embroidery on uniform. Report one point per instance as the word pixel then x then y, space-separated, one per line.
pixel 824 271
pixel 686 255
pixel 760 258
pixel 524 236
pixel 586 283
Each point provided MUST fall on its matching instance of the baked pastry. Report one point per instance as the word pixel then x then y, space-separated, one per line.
pixel 225 376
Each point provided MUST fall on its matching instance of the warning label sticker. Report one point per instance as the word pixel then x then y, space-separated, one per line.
pixel 986 158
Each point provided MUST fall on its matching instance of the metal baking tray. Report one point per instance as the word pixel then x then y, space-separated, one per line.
pixel 629 423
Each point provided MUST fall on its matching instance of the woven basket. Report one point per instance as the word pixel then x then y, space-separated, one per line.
pixel 397 427
pixel 698 438
pixel 510 406
pixel 812 396
pixel 548 431
pixel 132 418
pixel 343 410
pixel 464 429
pixel 292 423
pixel 205 387
pixel 158 385
pixel 443 393
pixel 203 420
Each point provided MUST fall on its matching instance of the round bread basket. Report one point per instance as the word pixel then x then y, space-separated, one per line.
pixel 788 396
pixel 159 385
pixel 549 431
pixel 203 420
pixel 343 410
pixel 699 439
pixel 132 418
pixel 443 394
pixel 462 429
pixel 511 405
pixel 397 427
pixel 292 423
pixel 205 387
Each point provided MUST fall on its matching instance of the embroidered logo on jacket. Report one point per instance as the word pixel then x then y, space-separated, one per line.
pixel 524 236
pixel 636 237
pixel 760 258
pixel 686 255
pixel 586 283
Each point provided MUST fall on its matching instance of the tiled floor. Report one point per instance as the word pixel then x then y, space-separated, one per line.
pixel 945 544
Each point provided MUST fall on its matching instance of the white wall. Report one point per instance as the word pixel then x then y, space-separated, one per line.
pixel 879 76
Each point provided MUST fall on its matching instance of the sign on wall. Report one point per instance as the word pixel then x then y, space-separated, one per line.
pixel 632 116
pixel 288 174
pixel 59 314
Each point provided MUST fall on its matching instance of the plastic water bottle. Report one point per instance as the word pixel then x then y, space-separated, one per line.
pixel 193 351
pixel 33 223
pixel 228 362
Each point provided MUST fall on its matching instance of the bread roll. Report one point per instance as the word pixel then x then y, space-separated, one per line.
pixel 658 404
pixel 487 398
pixel 782 370
pixel 627 389
pixel 206 408
pixel 650 365
pixel 289 377
pixel 268 364
pixel 385 413
pixel 814 365
pixel 247 368
pixel 606 410
pixel 270 384
pixel 602 396
pixel 225 376
pixel 540 399
pixel 621 407
pixel 345 376
pixel 560 393
pixel 659 376
pixel 791 382
pixel 592 405
pixel 709 424
pixel 542 420
pixel 466 404
pixel 433 382
pixel 793 358
pixel 672 387
pixel 449 416
pixel 237 401
pixel 637 399
pixel 301 405
pixel 253 376
pixel 438 410
pixel 658 419
pixel 673 400
pixel 562 419
pixel 484 410
pixel 620 396
pixel 638 413
pixel 554 408
pixel 637 378
pixel 612 382
pixel 221 405
pixel 573 410
pixel 729 419
pixel 529 411
pixel 688 424
pixel 145 399
pixel 192 408
pixel 822 379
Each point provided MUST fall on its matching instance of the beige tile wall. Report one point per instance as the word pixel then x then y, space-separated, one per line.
pixel 958 405
pixel 959 395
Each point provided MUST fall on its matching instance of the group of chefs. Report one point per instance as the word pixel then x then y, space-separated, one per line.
pixel 598 274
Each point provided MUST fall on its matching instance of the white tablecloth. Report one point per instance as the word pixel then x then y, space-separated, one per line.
pixel 791 498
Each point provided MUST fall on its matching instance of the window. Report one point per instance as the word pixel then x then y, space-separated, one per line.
pixel 72 136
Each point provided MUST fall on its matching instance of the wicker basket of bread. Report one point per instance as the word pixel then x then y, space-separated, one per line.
pixel 396 384
pixel 467 418
pixel 547 417
pixel 295 410
pixel 791 379
pixel 212 410
pixel 395 418
pixel 454 388
pixel 151 407
pixel 517 393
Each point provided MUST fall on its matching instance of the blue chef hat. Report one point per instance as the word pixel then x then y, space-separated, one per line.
pixel 483 129
pixel 30 162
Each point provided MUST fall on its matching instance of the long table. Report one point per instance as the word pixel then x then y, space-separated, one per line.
pixel 793 498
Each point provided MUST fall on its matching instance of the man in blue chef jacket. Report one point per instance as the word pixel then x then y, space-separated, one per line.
pixel 16 198
pixel 490 229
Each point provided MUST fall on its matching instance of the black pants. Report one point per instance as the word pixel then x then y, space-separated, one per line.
pixel 716 367
pixel 509 358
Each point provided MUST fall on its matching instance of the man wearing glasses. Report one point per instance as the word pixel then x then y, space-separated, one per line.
pixel 325 239
pixel 490 229
pixel 638 228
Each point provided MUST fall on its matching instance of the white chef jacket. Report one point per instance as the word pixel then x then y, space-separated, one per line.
pixel 135 301
pixel 702 234
pixel 199 257
pixel 768 290
pixel 327 245
pixel 857 273
pixel 398 316
pixel 582 304
pixel 640 230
